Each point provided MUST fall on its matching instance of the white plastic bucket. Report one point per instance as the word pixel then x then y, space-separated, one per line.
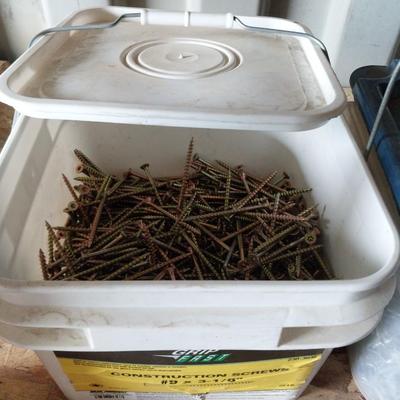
pixel 360 241
pixel 82 75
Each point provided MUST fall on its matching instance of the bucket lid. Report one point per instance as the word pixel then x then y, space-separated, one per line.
pixel 176 69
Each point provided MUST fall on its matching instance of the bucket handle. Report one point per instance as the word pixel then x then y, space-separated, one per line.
pixel 84 27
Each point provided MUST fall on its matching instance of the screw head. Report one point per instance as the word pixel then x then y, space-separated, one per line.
pixel 310 238
pixel 79 168
pixel 72 206
pixel 84 189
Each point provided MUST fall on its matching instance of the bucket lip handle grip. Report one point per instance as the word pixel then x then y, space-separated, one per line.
pixel 84 27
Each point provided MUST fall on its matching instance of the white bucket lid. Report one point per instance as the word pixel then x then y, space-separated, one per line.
pixel 176 69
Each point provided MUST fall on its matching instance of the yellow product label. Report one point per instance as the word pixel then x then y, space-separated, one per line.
pixel 277 374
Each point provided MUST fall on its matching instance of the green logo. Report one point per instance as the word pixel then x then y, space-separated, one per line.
pixel 203 358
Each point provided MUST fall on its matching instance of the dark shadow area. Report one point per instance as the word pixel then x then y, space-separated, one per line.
pixel 5 52
pixel 279 8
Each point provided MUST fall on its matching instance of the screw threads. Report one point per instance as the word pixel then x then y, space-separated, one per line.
pixel 251 195
pixel 42 260
pixel 186 172
pixel 228 189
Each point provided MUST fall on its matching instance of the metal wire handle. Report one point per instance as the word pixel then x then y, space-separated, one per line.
pixel 86 27
pixel 286 33
pixel 68 28
pixel 381 110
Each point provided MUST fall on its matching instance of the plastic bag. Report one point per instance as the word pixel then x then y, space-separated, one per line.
pixel 375 361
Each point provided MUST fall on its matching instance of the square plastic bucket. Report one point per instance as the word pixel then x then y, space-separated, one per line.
pixel 162 78
pixel 360 241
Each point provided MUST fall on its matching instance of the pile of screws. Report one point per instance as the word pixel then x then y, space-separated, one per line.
pixel 213 222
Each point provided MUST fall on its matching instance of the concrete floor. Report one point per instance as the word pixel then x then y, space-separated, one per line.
pixel 23 376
